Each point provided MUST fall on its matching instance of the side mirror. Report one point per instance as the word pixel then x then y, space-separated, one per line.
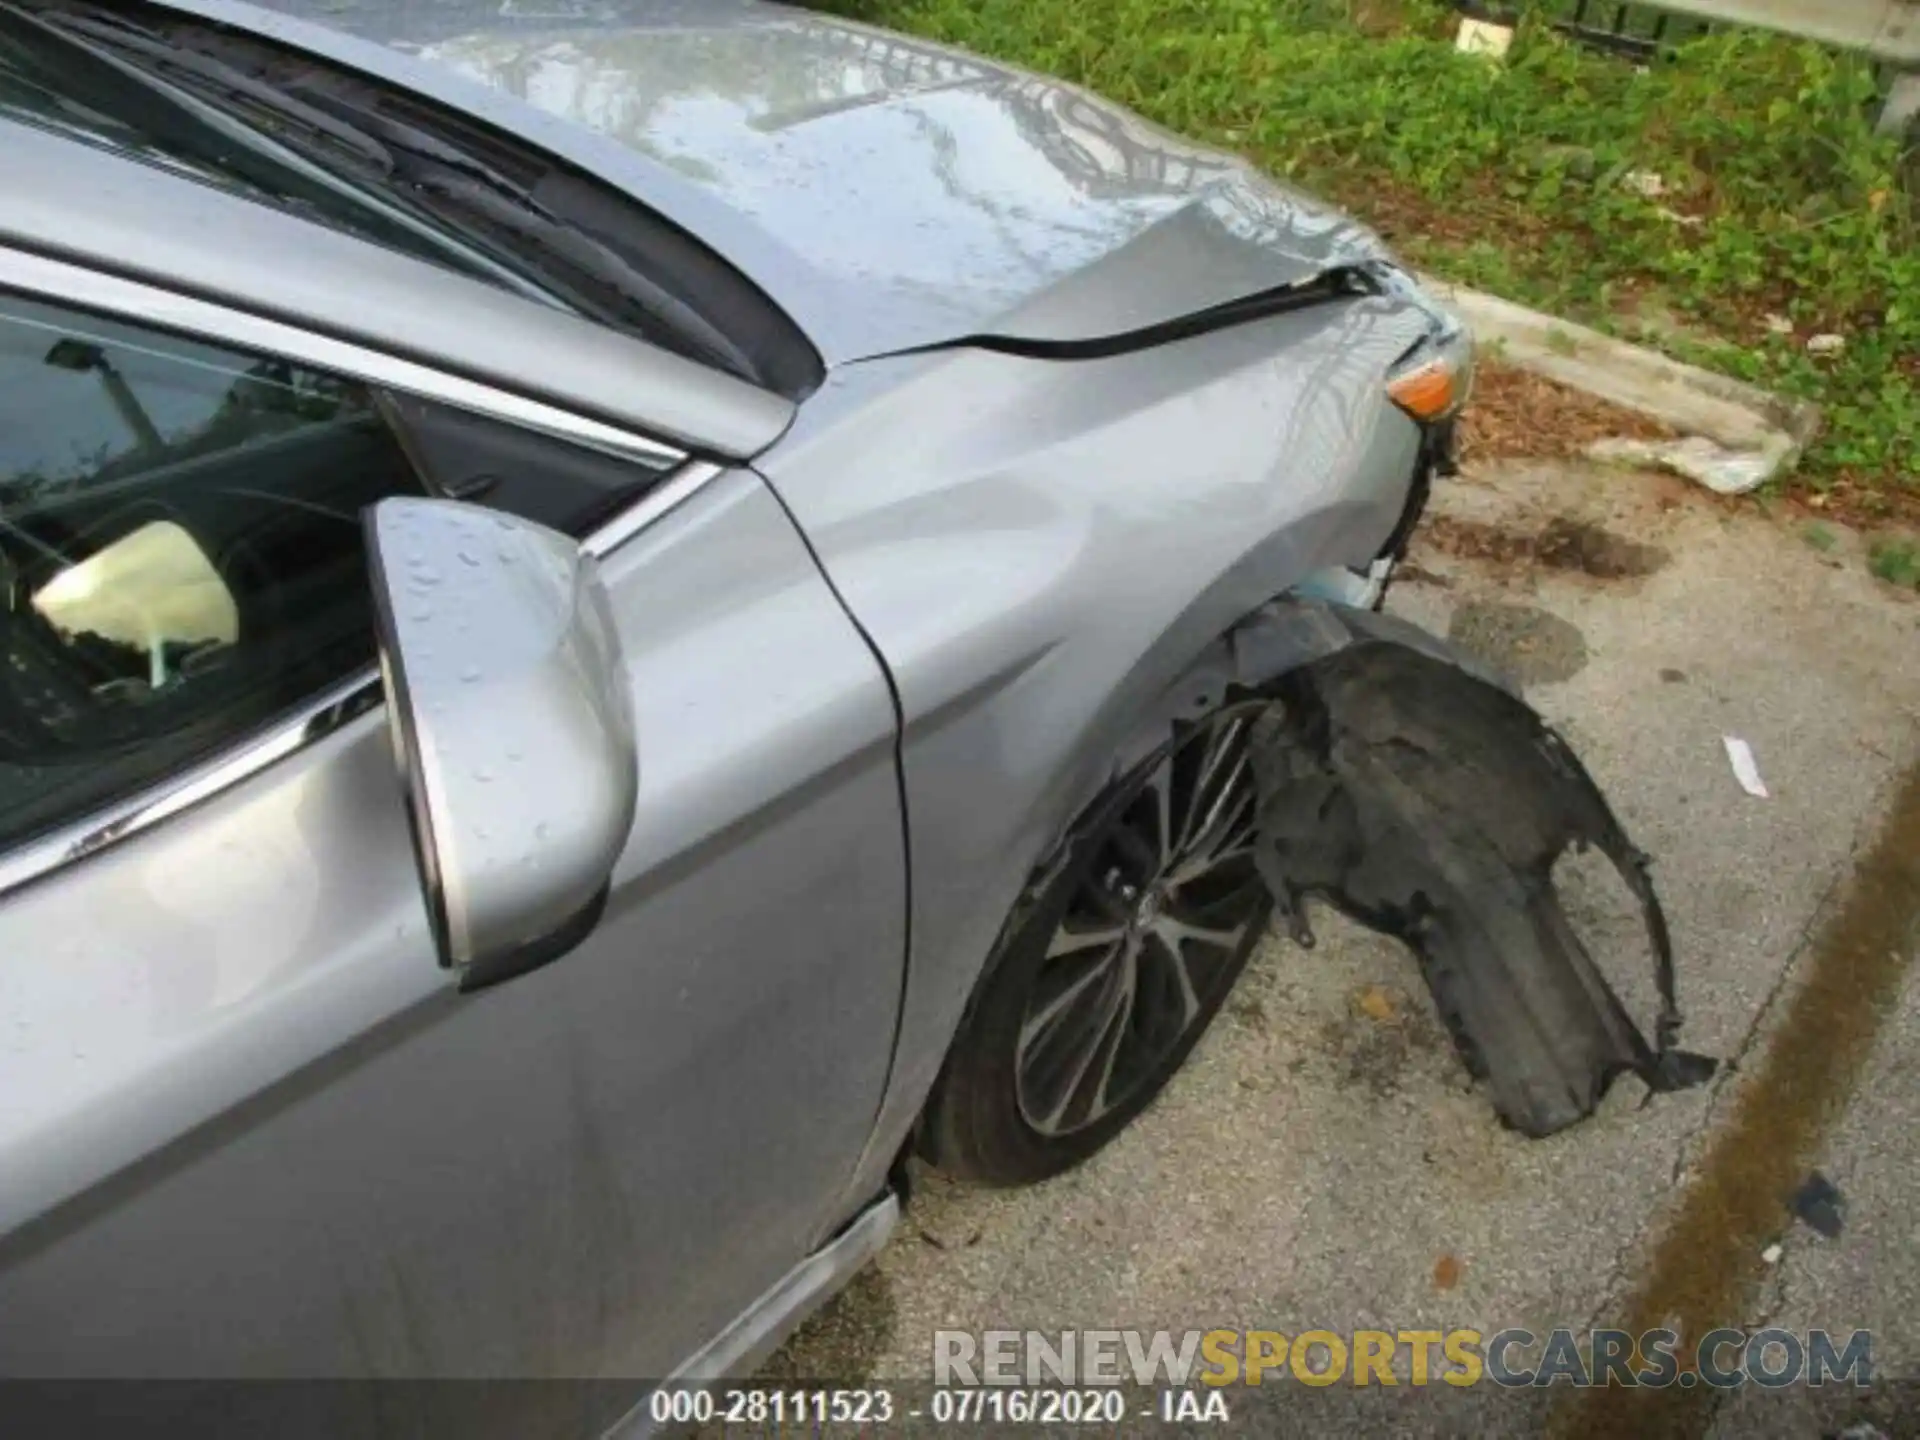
pixel 511 724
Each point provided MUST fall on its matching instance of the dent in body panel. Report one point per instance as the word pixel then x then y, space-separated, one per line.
pixel 584 1171
pixel 1047 547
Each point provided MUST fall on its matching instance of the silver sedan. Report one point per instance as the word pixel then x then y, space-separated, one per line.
pixel 616 619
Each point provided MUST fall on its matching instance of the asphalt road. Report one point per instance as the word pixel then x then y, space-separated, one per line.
pixel 1323 1162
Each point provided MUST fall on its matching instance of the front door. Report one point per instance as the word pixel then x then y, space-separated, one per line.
pixel 247 1126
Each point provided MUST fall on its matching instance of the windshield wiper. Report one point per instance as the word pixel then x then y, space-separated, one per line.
pixel 128 40
pixel 421 170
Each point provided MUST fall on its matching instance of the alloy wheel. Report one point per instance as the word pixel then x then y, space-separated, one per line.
pixel 1158 922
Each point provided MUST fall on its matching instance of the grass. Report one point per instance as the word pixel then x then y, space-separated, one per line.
pixel 1527 178
pixel 1897 562
pixel 1819 536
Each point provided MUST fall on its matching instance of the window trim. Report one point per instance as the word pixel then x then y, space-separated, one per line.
pixel 333 709
pixel 64 283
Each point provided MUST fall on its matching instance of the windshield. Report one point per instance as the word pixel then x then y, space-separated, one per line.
pixel 56 83
pixel 285 128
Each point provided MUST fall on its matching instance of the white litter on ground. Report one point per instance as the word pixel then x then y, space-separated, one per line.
pixel 1773 1253
pixel 1483 37
pixel 1721 470
pixel 1746 769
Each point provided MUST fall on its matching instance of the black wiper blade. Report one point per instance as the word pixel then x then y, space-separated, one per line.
pixel 519 215
pixel 436 169
pixel 422 172
pixel 123 36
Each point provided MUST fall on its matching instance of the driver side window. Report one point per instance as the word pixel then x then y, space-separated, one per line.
pixel 180 551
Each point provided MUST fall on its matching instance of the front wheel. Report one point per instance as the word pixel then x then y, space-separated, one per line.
pixel 1112 965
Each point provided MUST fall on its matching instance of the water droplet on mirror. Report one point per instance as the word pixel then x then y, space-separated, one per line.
pixel 541 831
pixel 470 674
pixel 469 557
pixel 482 774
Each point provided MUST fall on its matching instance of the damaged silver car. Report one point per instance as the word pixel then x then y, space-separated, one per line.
pixel 619 617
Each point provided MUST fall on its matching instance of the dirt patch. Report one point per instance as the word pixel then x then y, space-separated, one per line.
pixel 1863 504
pixel 1531 645
pixel 1250 1012
pixel 1516 414
pixel 1383 1036
pixel 1563 543
pixel 1408 573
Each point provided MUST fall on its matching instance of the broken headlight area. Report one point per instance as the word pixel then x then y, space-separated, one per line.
pixel 1365 587
pixel 1430 804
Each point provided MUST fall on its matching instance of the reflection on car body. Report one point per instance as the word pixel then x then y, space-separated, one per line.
pixel 584 675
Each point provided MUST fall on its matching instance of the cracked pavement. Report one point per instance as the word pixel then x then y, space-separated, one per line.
pixel 1322 1161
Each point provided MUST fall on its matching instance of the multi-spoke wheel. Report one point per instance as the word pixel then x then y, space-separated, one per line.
pixel 1113 968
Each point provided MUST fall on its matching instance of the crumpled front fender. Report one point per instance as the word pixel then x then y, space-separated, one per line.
pixel 1413 790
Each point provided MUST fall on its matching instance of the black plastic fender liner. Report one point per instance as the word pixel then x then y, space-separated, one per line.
pixel 1426 800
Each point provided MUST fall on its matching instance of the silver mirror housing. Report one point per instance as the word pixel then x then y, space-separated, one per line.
pixel 508 707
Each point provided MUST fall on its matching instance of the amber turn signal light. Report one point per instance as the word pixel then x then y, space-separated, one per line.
pixel 1427 392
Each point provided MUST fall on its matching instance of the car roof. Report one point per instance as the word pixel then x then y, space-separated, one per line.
pixel 76 202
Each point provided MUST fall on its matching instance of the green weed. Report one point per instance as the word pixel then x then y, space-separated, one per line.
pixel 1528 177
pixel 1896 561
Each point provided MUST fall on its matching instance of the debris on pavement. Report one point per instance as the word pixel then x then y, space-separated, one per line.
pixel 1446 1272
pixel 1746 769
pixel 1722 470
pixel 1430 804
pixel 1518 413
pixel 1771 1255
pixel 1818 1203
pixel 1376 1002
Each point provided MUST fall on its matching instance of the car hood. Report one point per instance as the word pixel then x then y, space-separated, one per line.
pixel 888 193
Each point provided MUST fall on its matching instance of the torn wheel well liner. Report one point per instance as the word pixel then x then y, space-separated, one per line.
pixel 1416 792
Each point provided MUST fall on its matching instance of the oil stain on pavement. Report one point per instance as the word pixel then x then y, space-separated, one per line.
pixel 1706 1264
pixel 1384 1035
pixel 1563 543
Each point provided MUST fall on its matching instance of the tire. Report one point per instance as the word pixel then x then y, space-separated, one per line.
pixel 1081 1017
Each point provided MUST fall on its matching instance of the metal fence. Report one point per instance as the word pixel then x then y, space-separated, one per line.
pixel 1886 31
pixel 1634 30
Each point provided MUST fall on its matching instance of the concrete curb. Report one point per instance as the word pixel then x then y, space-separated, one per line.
pixel 1740 435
